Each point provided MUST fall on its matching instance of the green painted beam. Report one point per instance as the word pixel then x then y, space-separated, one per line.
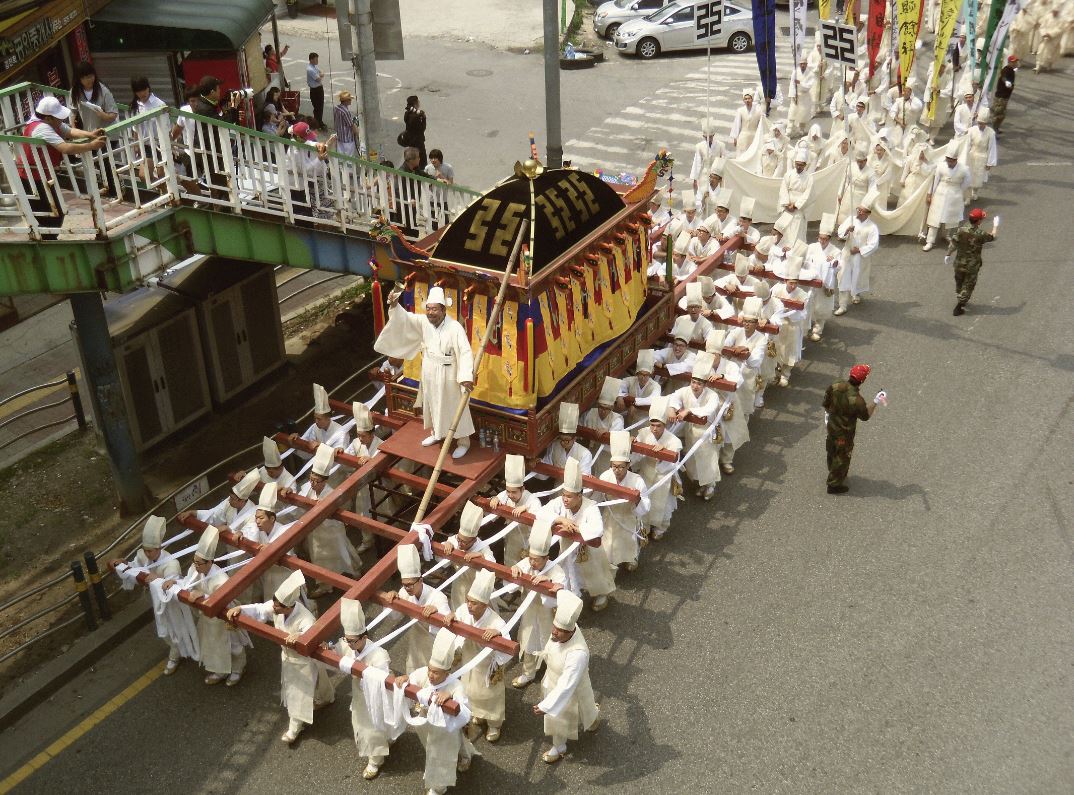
pixel 167 237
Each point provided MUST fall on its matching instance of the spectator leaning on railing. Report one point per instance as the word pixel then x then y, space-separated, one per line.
pixel 49 125
pixel 145 101
pixel 207 137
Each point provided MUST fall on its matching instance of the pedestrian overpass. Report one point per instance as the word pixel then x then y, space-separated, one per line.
pixel 172 184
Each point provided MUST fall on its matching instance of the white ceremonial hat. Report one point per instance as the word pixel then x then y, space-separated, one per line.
pixel 984 115
pixel 568 417
pixel 861 151
pixel 408 561
pixel 783 223
pixel 718 165
pixel 688 199
pixel 707 127
pixel 352 616
pixel 267 499
pixel 703 366
pixel 470 520
pixel 868 201
pixel 271 452
pixel 747 92
pixel 745 208
pixel 801 153
pixel 951 150
pixel 442 656
pixel 723 198
pixel 714 340
pixel 210 537
pixel 646 361
pixel 362 419
pixel 742 265
pixel 514 471
pixel 540 541
pixel 572 476
pixel 683 328
pixel 323 460
pixel 794 267
pixel 769 145
pixel 437 296
pixel 827 224
pixel 320 400
pixel 153 532
pixel 764 246
pixel 568 608
pixel 609 392
pixel 708 286
pixel 751 308
pixel 658 409
pixel 706 226
pixel 761 290
pixel 619 444
pixel 245 487
pixel 681 243
pixel 694 296
pixel 482 587
pixel 288 592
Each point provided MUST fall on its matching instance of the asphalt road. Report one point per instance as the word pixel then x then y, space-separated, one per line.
pixel 914 635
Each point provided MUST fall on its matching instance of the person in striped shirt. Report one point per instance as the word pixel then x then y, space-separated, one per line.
pixel 346 125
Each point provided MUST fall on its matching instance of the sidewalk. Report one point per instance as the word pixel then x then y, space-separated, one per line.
pixel 500 24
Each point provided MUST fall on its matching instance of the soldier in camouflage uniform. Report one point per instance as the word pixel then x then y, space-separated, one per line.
pixel 843 407
pixel 966 244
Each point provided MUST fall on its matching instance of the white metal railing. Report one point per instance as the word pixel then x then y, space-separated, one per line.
pixel 166 157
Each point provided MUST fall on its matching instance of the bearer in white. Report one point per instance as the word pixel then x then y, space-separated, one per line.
pixel 822 263
pixel 795 193
pixel 447 751
pixel 372 741
pixel 233 508
pixel 748 341
pixel 733 430
pixel 273 470
pixel 694 323
pixel 486 690
pixel 516 498
pixel 662 499
pixel 638 390
pixel 327 543
pixel 856 259
pixel 447 364
pixel 677 357
pixel 791 320
pixel 568 700
pixel 364 447
pixel 743 225
pixel 946 196
pixel 419 638
pixel 622 522
pixel 264 529
pixel 304 685
pixel 588 568
pixel 699 402
pixel 467 542
pixel 536 622
pixel 324 430
pixel 603 417
pixel 566 445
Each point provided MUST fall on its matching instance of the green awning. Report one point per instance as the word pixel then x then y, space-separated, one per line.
pixel 176 25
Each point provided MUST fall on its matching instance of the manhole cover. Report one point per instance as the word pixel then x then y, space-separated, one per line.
pixel 480 72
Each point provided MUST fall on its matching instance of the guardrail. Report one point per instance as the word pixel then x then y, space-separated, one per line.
pixel 166 157
pixel 80 589
pixel 73 397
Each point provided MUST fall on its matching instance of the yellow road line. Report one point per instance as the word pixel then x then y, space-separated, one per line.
pixel 102 712
pixel 26 401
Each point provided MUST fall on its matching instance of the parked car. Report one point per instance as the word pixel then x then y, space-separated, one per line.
pixel 612 14
pixel 685 26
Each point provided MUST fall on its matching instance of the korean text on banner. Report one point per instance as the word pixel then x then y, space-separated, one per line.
pixel 948 16
pixel 970 28
pixel 909 19
pixel 798 20
pixel 874 35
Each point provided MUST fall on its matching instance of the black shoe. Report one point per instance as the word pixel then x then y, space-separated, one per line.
pixel 959 310
pixel 838 489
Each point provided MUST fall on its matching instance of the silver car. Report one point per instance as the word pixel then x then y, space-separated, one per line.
pixel 611 15
pixel 687 26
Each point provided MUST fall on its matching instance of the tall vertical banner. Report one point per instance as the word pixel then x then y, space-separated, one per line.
pixel 994 49
pixel 874 33
pixel 909 19
pixel 994 16
pixel 824 9
pixel 852 12
pixel 893 54
pixel 764 43
pixel 970 14
pixel 798 16
pixel 946 26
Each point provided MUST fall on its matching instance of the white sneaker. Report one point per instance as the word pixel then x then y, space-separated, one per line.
pixel 521 681
pixel 599 603
pixel 815 337
pixel 170 667
pixel 709 491
pixel 784 381
pixel 233 679
pixel 459 452
pixel 840 311
pixel 371 771
pixel 430 440
pixel 856 299
pixel 927 247
pixel 758 402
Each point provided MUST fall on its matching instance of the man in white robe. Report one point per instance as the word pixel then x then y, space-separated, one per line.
pixel 963 117
pixel 324 429
pixel 447 364
pixel 604 418
pixel 733 429
pixel 859 181
pixel 693 326
pixel 703 246
pixel 980 152
pixel 662 498
pixel 273 471
pixel 304 685
pixel 697 402
pixel 587 567
pixel 800 94
pixel 622 521
pixel 264 528
pixel 470 545
pixel 518 500
pixel 855 263
pixel 568 700
pixel 744 125
pixel 795 192
pixel 946 196
pixel 327 543
pixel 904 114
pixel 536 621
pixel 709 193
pixel 743 225
pixel 677 358
pixel 790 319
pixel 566 445
pixel 822 264
pixel 706 150
pixel 748 341
pixel 486 689
pixel 637 391
pixel 418 640
pixel 365 447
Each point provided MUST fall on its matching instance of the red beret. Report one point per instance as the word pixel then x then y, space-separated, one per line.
pixel 1012 59
pixel 977 214
pixel 860 372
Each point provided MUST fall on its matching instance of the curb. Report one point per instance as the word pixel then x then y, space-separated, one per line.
pixel 23 696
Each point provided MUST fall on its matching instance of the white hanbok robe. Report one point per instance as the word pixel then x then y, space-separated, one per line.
pixel 757 344
pixel 904 114
pixel 703 466
pixel 514 544
pixel 613 422
pixel 862 179
pixel 915 171
pixel 734 427
pixel 273 578
pixel 675 365
pixel 587 568
pixel 822 264
pixel 800 97
pixel 744 126
pixel 224 513
pixel 444 746
pixel 662 501
pixel 621 521
pixel 704 154
pixel 556 456
pixel 370 741
pixel 220 643
pixel 536 623
pixel 948 194
pixel 792 326
pixel 642 397
pixel 462 584
pixel 447 362
pixel 568 700
pixel 486 690
pixel 285 480
pixel 796 189
pixel 419 638
pixel 854 269
pixel 333 436
pixel 327 543
pixel 980 154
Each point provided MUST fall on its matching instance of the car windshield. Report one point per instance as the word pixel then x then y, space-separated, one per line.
pixel 662 13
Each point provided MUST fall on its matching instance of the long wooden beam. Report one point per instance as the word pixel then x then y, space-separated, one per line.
pixel 590 482
pixel 603 437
